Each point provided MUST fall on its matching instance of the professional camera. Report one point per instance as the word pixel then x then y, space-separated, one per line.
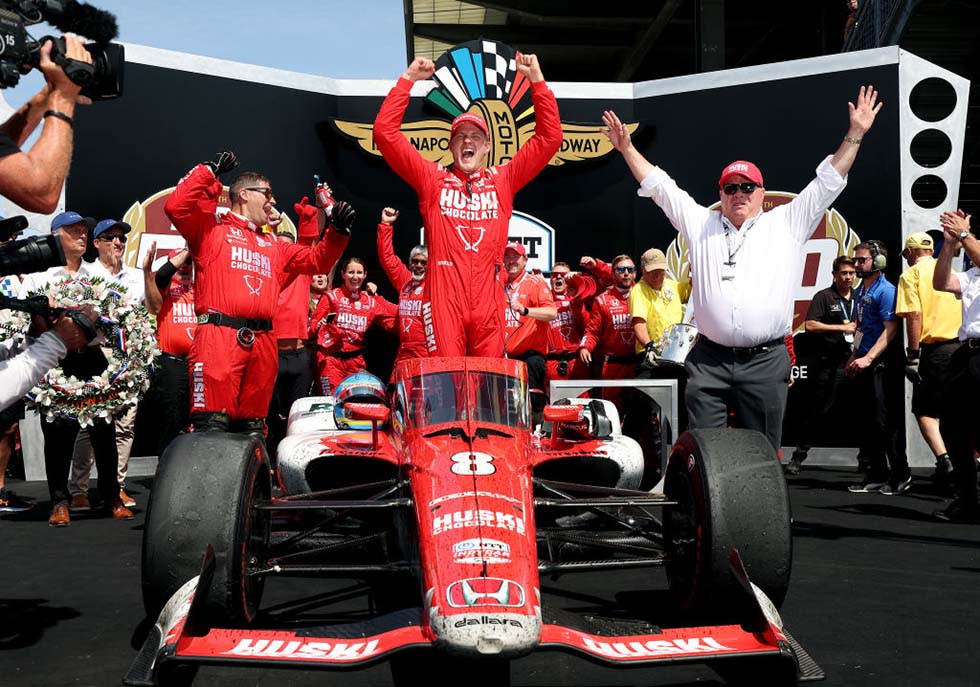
pixel 19 52
pixel 34 254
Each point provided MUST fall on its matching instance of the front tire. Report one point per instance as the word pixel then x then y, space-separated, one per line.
pixel 203 493
pixel 731 494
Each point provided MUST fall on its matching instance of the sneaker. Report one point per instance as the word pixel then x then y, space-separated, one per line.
pixel 899 487
pixel 79 504
pixel 11 503
pixel 126 499
pixel 59 515
pixel 795 463
pixel 958 511
pixel 867 487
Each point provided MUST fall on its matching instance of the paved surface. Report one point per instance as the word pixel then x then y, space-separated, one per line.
pixel 881 595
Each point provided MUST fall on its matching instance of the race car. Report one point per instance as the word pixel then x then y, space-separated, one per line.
pixel 453 510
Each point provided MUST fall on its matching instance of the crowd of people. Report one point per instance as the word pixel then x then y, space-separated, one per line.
pixel 249 318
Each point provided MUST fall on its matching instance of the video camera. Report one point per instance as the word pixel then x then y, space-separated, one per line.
pixel 34 254
pixel 19 52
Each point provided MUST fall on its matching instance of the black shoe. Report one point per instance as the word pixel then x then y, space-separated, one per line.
pixel 795 463
pixel 868 486
pixel 897 486
pixel 959 511
pixel 11 503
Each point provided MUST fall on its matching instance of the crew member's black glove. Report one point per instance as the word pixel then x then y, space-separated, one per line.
pixel 912 365
pixel 343 217
pixel 225 162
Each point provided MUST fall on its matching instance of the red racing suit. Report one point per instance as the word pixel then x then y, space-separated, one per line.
pixel 609 337
pixel 411 331
pixel 176 321
pixel 564 336
pixel 466 220
pixel 340 344
pixel 237 272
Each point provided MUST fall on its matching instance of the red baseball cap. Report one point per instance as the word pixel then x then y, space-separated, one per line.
pixel 517 247
pixel 743 168
pixel 469 118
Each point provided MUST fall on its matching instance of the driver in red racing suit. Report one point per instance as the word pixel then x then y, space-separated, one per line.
pixel 466 210
pixel 238 272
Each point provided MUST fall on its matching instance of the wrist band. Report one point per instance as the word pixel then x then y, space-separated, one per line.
pixel 60 115
pixel 855 141
pixel 526 311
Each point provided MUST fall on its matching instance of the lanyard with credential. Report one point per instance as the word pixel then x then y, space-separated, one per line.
pixel 847 314
pixel 869 293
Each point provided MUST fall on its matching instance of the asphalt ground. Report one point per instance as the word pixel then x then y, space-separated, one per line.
pixel 881 594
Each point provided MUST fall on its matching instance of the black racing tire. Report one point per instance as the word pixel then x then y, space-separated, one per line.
pixel 204 488
pixel 731 493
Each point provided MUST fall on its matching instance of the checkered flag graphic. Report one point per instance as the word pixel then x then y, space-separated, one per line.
pixel 499 69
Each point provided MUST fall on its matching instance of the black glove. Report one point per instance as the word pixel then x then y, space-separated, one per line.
pixel 343 217
pixel 912 370
pixel 225 162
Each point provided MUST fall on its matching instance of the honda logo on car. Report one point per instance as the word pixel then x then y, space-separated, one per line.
pixel 485 591
pixel 481 551
pixel 266 648
pixel 473 518
pixel 653 648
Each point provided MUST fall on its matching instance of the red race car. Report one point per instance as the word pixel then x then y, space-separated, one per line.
pixel 452 510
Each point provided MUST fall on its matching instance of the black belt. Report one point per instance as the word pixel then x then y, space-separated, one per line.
pixel 223 320
pixel 747 350
pixel 567 356
pixel 937 344
pixel 246 326
pixel 174 356
pixel 972 344
pixel 635 358
pixel 347 355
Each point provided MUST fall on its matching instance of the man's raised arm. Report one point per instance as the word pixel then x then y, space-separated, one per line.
pixel 401 155
pixel 534 155
pixel 861 117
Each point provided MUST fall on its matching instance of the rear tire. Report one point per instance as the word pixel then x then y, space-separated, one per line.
pixel 203 493
pixel 731 494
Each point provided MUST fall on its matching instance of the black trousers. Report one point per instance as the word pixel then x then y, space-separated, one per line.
pixel 169 396
pixel 752 384
pixel 59 441
pixel 824 386
pixel 878 399
pixel 535 378
pixel 293 381
pixel 959 423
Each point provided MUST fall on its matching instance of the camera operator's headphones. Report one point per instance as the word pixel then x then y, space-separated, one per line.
pixel 879 255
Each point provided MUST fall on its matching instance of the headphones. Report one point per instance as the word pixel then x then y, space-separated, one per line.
pixel 879 257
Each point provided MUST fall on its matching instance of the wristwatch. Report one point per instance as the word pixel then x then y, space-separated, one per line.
pixel 964 235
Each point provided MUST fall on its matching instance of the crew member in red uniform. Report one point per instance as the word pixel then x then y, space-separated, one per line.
pixel 530 308
pixel 466 210
pixel 410 283
pixel 566 330
pixel 609 332
pixel 238 276
pixel 341 321
pixel 170 296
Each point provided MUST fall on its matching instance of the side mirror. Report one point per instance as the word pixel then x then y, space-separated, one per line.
pixel 565 413
pixel 375 412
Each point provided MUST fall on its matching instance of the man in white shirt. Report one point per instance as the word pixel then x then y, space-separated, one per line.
pixel 744 266
pixel 109 237
pixel 59 433
pixel 958 418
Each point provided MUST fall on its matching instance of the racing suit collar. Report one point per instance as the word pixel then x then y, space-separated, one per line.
pixel 234 218
pixel 463 176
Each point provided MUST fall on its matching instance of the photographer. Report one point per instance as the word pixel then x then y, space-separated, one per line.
pixel 34 179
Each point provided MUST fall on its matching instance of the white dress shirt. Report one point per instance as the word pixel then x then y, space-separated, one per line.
pixel 129 277
pixel 38 280
pixel 970 295
pixel 756 304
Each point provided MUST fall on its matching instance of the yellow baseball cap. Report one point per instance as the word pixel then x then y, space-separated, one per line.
pixel 920 239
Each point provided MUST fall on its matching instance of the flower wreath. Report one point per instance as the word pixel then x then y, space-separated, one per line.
pixel 130 345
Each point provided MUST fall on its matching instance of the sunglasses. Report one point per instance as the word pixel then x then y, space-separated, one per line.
pixel 264 190
pixel 867 259
pixel 626 269
pixel 559 275
pixel 113 237
pixel 745 187
pixel 419 261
